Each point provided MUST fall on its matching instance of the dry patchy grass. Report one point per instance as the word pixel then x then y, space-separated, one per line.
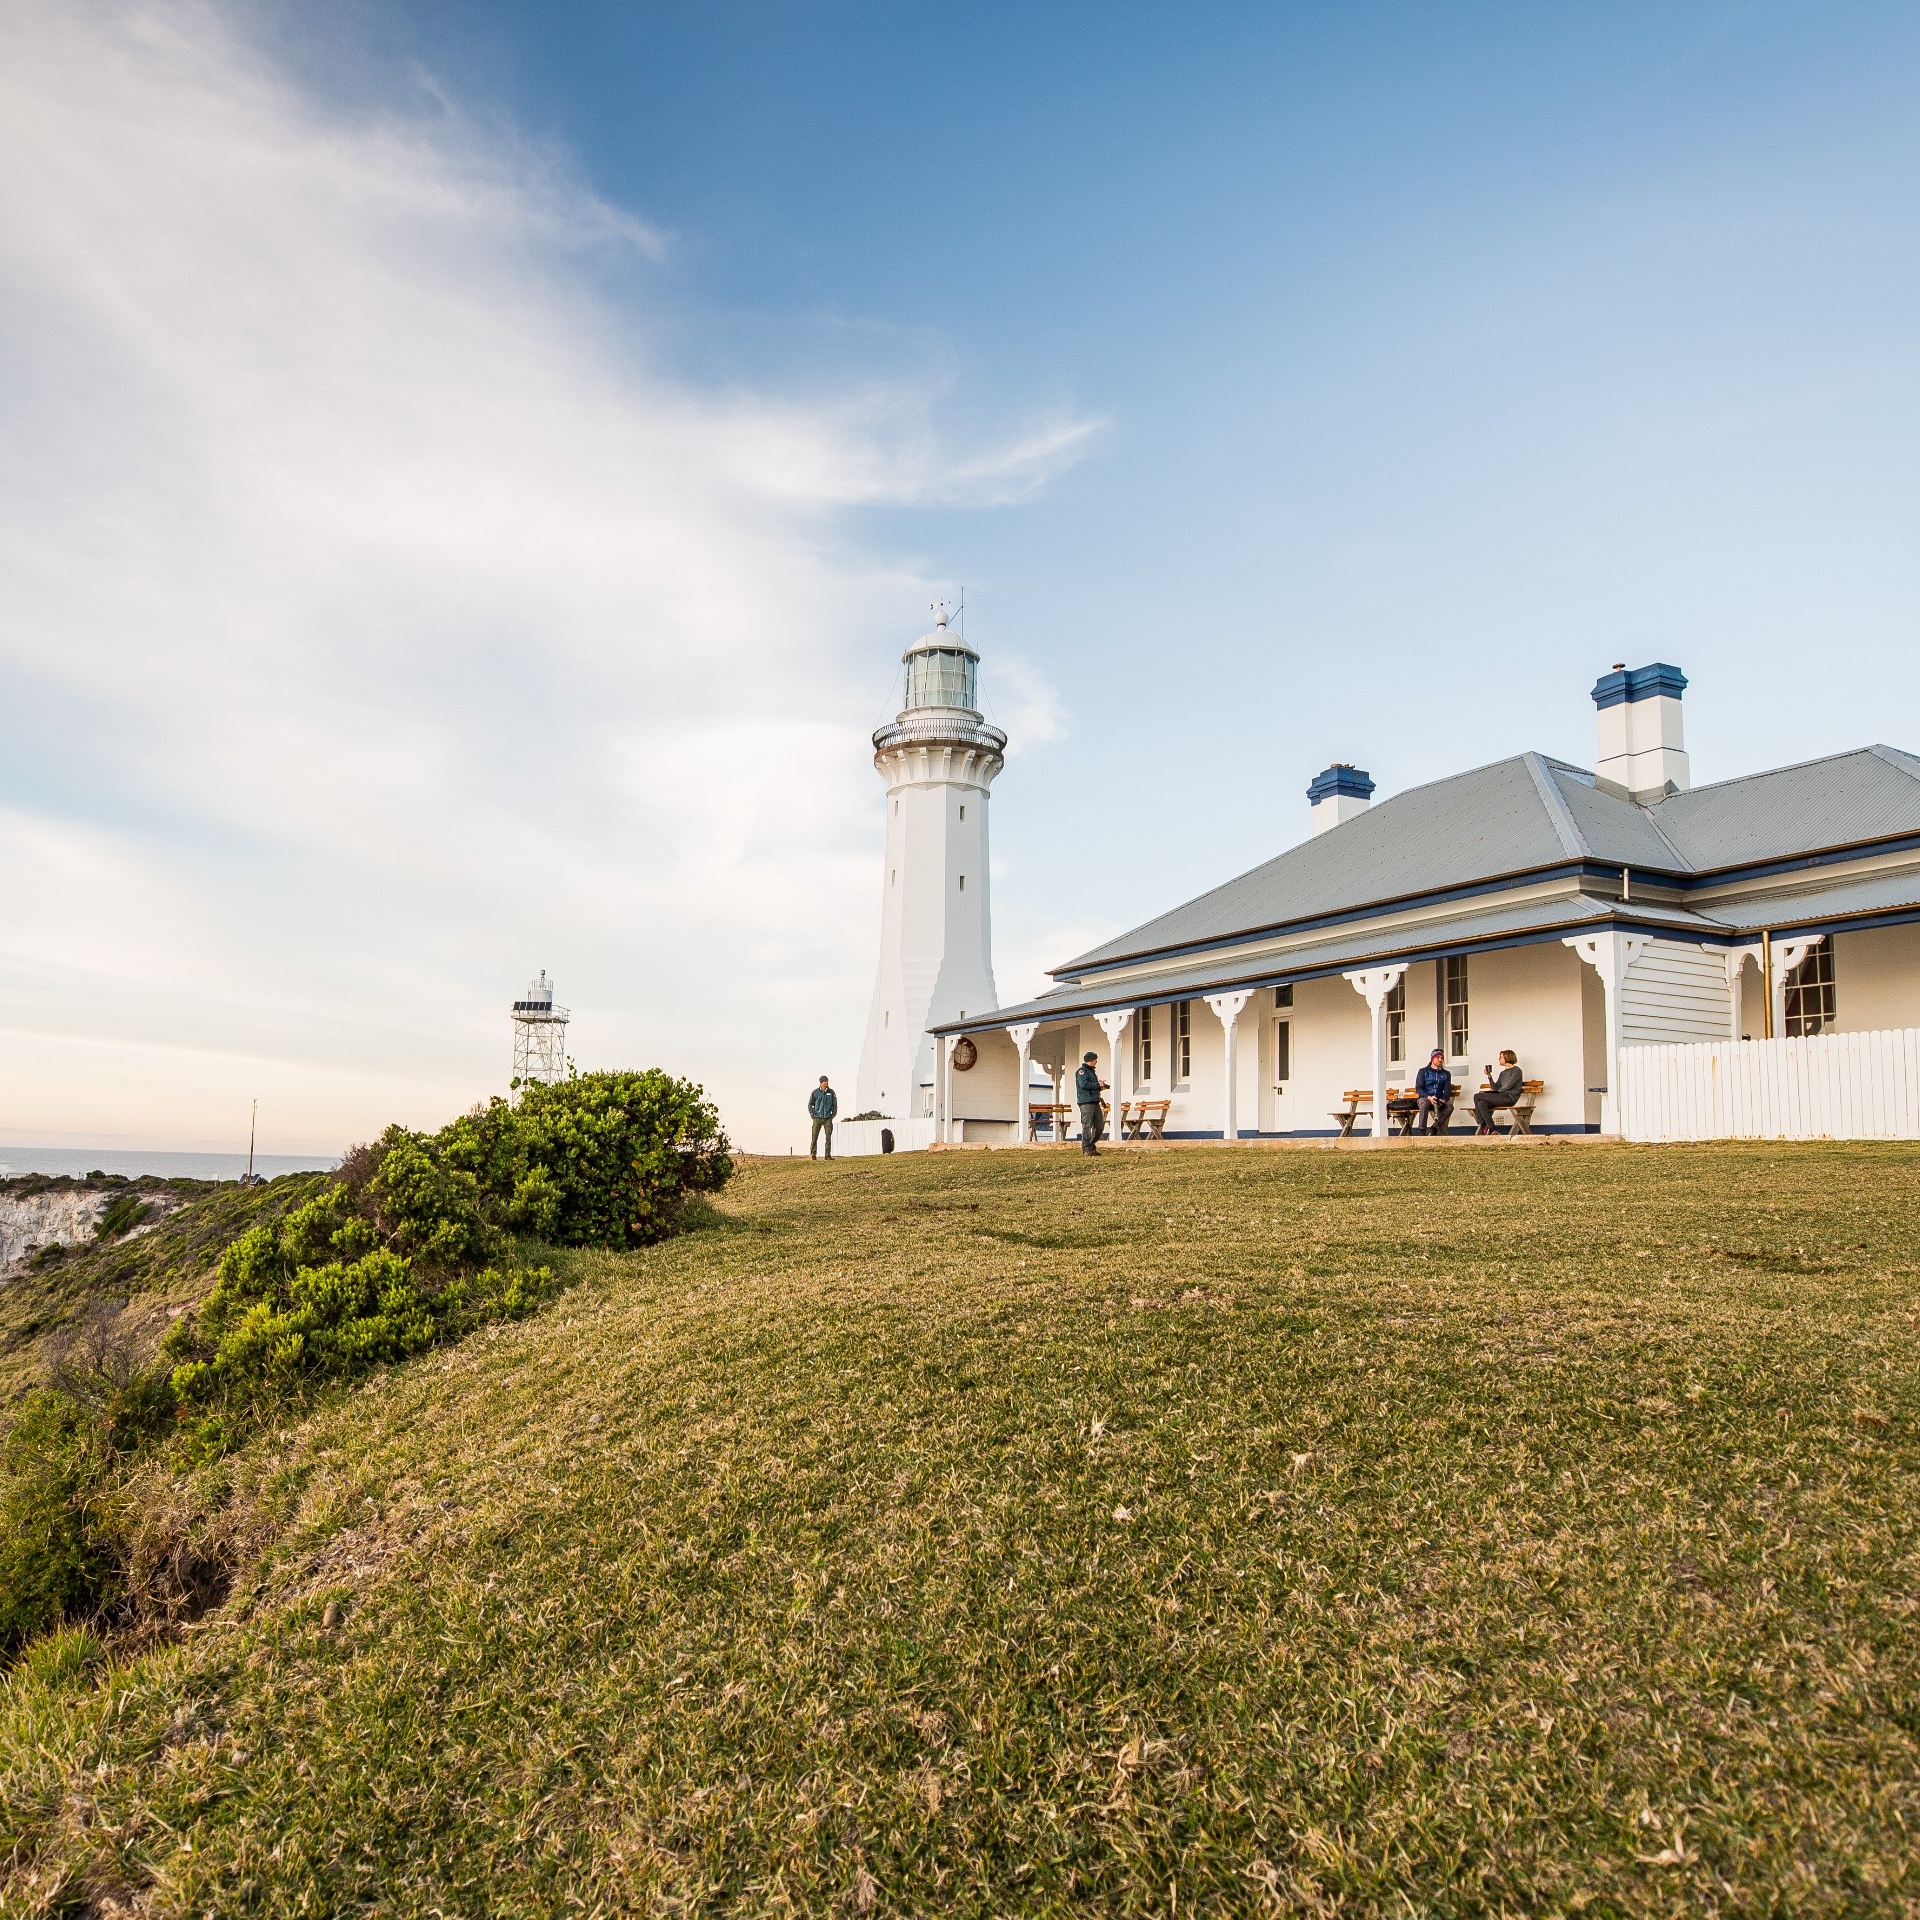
pixel 1435 1531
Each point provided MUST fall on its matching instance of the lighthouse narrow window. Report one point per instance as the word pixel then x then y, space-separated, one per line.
pixel 963 813
pixel 963 883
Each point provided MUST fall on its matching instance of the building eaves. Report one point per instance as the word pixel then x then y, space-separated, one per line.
pixel 1536 921
pixel 1813 906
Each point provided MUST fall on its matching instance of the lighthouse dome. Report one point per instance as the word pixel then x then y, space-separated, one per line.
pixel 942 670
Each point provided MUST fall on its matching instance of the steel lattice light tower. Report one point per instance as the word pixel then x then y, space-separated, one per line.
pixel 539 1036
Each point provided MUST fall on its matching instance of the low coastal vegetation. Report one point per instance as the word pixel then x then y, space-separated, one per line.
pixel 112 1508
pixel 1532 1530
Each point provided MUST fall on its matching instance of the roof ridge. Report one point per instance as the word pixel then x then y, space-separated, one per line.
pixel 1896 757
pixel 1572 841
pixel 1653 820
pixel 1767 773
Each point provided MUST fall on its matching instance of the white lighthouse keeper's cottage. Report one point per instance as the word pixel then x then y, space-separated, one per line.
pixel 1576 917
pixel 938 757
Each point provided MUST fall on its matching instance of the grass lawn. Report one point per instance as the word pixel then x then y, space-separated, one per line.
pixel 1454 1531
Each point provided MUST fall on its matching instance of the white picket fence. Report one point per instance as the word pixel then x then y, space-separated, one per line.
pixel 1837 1086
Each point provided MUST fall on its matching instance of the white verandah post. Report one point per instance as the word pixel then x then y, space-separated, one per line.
pixel 1610 954
pixel 1373 985
pixel 1736 959
pixel 1787 954
pixel 1227 1008
pixel 1022 1037
pixel 1113 1025
pixel 943 1126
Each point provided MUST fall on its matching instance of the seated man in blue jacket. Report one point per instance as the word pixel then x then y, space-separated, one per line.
pixel 1433 1086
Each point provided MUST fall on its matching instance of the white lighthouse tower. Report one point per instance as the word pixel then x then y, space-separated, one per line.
pixel 938 758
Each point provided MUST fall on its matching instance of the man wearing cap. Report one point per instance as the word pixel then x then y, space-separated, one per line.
pixel 1086 1090
pixel 1433 1095
pixel 822 1104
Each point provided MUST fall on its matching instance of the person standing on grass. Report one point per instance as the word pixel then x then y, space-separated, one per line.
pixel 822 1104
pixel 1086 1090
pixel 1433 1095
pixel 1505 1091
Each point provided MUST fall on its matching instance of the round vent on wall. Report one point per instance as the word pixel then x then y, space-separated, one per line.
pixel 965 1054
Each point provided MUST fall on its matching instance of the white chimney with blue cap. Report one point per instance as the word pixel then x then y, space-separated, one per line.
pixel 1338 794
pixel 1643 755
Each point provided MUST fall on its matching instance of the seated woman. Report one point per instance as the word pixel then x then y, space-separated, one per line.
pixel 1433 1091
pixel 1505 1091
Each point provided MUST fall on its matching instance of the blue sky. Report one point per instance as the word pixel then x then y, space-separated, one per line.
pixel 1442 356
pixel 1283 384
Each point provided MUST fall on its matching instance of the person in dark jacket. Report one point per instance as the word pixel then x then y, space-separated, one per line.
pixel 1086 1090
pixel 1433 1095
pixel 822 1104
pixel 1505 1091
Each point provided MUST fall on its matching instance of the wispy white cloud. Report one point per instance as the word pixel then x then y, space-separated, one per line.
pixel 1026 703
pixel 381 621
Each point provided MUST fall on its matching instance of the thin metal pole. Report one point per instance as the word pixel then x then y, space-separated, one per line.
pixel 1766 976
pixel 252 1124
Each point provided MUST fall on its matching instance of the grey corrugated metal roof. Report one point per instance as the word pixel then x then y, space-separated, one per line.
pixel 1866 795
pixel 1882 893
pixel 1531 812
pixel 1614 829
pixel 1449 833
pixel 1573 913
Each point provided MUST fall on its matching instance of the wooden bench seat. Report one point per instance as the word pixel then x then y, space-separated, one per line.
pixel 1520 1114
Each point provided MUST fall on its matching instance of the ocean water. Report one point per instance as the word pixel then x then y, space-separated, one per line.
pixel 80 1161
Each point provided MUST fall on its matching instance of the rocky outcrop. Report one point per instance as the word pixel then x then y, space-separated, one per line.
pixel 65 1216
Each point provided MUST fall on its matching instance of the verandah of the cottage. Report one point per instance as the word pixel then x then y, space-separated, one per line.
pixel 1275 1057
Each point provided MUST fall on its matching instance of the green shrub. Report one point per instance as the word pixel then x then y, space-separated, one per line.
pixel 55 1558
pixel 282 1312
pixel 599 1160
pixel 122 1216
